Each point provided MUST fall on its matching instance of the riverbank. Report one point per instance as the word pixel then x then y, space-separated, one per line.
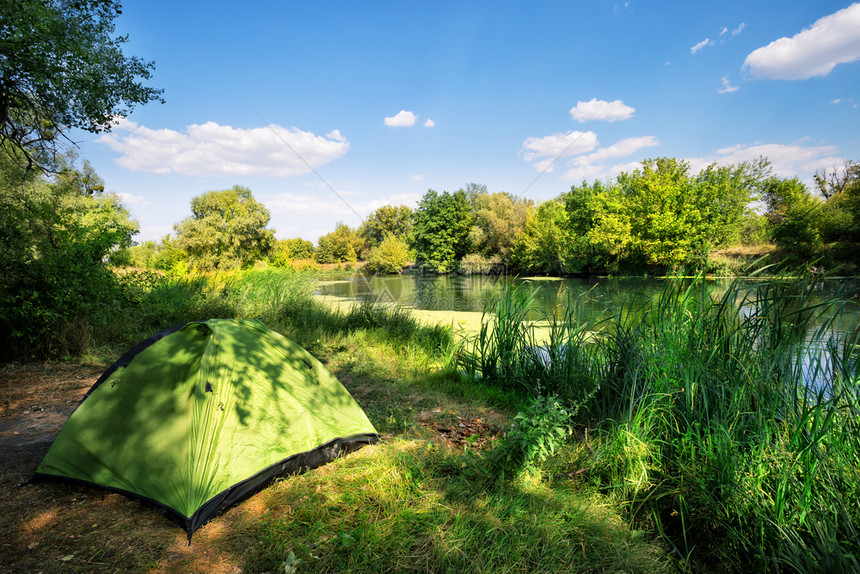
pixel 417 501
pixel 682 438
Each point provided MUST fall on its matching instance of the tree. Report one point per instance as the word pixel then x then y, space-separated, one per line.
pixel 837 180
pixel 61 67
pixel 227 230
pixel 342 244
pixel 666 224
pixel 390 256
pixel 841 211
pixel 544 244
pixel 723 194
pixel 794 215
pixel 387 220
pixel 499 218
pixel 585 206
pixel 142 255
pixel 440 234
pixel 660 214
pixel 287 250
pixel 55 236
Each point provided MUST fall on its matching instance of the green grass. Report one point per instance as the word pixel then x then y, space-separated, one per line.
pixel 416 501
pixel 702 417
pixel 700 426
pixel 409 506
pixel 694 425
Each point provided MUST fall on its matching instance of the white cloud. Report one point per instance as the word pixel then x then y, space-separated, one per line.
pixel 739 29
pixel 575 146
pixel 131 199
pixel 545 166
pixel 815 51
pixel 844 102
pixel 429 123
pixel 325 203
pixel 601 110
pixel 214 150
pixel 599 171
pixel 418 176
pixel 591 165
pixel 700 45
pixel 559 145
pixel 787 160
pixel 724 31
pixel 403 119
pixel 727 88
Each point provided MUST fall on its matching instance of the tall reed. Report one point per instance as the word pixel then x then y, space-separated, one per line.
pixel 508 351
pixel 282 299
pixel 728 421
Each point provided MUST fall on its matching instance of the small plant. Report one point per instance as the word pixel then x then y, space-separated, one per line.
pixel 534 436
pixel 291 564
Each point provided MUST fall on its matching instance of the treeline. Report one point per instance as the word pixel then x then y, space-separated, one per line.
pixel 660 217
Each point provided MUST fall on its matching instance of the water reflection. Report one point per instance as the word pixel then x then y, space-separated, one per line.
pixel 475 292
pixel 601 295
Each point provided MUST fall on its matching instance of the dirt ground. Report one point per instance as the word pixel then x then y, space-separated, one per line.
pixel 49 526
pixel 35 401
pixel 58 527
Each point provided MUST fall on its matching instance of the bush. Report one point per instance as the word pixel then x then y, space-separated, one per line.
pixel 390 256
pixel 55 288
pixel 533 437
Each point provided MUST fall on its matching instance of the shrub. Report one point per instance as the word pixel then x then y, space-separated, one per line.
pixel 534 436
pixel 390 256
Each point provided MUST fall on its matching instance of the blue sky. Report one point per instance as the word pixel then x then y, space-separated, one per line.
pixel 385 100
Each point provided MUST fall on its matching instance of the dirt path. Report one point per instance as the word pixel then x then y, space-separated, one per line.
pixel 35 401
pixel 57 527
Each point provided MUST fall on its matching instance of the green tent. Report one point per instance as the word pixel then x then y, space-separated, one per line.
pixel 199 416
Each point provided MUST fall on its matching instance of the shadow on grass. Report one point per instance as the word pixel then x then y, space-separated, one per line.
pixel 414 506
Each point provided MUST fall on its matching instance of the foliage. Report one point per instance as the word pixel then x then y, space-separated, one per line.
pixel 342 244
pixel 676 219
pixel 794 215
pixel 723 195
pixel 544 244
pixel 840 217
pixel 754 229
pixel 61 67
pixel 441 229
pixel 287 250
pixel 659 214
pixel 504 352
pixel 227 230
pixel 55 288
pixel 733 433
pixel 533 437
pixel 143 255
pixel 387 220
pixel 476 264
pixel 390 256
pixel 499 218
